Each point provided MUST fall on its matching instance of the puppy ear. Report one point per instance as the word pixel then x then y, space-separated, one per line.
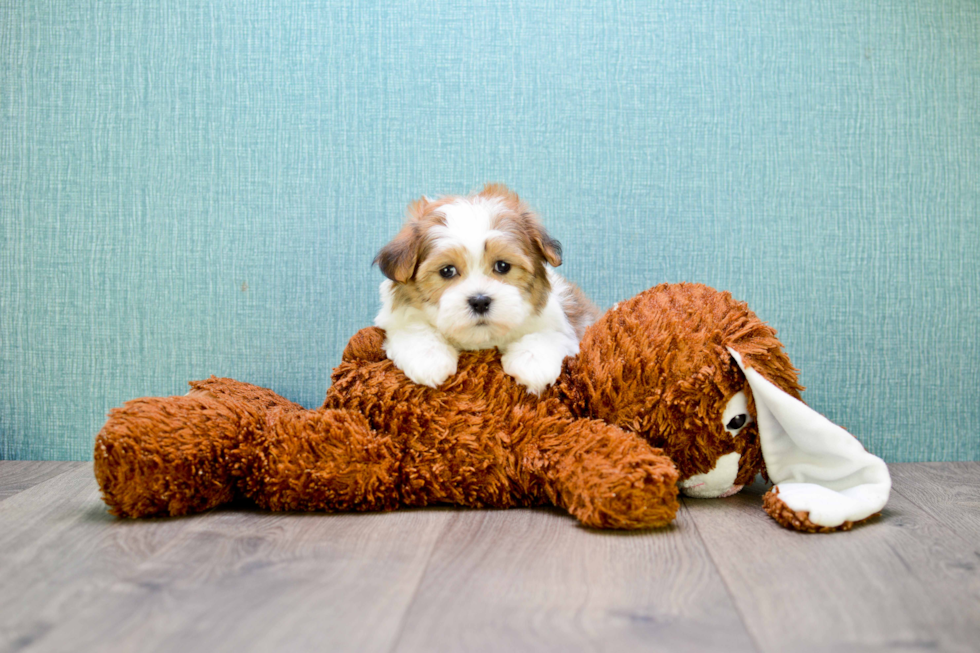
pixel 398 259
pixel 818 467
pixel 418 208
pixel 495 189
pixel 549 247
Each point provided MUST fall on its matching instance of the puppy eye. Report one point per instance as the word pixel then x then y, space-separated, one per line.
pixel 737 422
pixel 501 267
pixel 448 272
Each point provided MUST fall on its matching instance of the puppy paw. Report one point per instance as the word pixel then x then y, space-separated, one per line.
pixel 533 367
pixel 427 362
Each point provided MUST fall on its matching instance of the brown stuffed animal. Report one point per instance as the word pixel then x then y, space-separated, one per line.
pixel 656 399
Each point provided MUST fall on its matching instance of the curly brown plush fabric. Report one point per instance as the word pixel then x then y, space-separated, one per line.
pixel 800 520
pixel 636 410
pixel 658 365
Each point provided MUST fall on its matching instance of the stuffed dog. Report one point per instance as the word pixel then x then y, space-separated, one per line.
pixel 679 388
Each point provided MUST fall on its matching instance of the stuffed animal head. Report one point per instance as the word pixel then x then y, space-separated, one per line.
pixel 698 374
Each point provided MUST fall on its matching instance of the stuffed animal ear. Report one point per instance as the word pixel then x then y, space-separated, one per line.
pixel 818 467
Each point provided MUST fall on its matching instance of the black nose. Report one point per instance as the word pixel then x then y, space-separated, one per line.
pixel 479 303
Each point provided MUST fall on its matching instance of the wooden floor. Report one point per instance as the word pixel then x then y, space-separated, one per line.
pixel 724 577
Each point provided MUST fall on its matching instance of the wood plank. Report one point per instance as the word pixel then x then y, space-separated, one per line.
pixel 247 580
pixel 60 549
pixel 19 475
pixel 74 578
pixel 950 492
pixel 533 580
pixel 903 581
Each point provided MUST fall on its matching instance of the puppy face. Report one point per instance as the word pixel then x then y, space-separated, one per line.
pixel 474 266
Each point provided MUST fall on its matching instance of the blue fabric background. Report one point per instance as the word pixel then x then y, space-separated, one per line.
pixel 196 188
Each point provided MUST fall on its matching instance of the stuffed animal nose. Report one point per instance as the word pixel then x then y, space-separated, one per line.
pixel 480 304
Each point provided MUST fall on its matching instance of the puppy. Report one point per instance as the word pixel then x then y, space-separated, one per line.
pixel 475 272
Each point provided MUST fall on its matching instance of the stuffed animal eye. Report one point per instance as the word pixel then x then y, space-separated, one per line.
pixel 737 422
pixel 501 267
pixel 448 272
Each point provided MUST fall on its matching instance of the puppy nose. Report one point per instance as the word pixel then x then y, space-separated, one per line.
pixel 479 303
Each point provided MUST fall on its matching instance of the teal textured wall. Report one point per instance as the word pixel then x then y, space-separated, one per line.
pixel 196 188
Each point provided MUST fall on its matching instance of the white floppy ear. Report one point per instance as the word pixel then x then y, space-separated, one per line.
pixel 817 466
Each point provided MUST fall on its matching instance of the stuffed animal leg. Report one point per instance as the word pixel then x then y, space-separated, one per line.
pixel 603 476
pixel 161 456
pixel 329 460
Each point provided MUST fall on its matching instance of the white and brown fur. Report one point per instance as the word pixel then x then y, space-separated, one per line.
pixel 502 291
